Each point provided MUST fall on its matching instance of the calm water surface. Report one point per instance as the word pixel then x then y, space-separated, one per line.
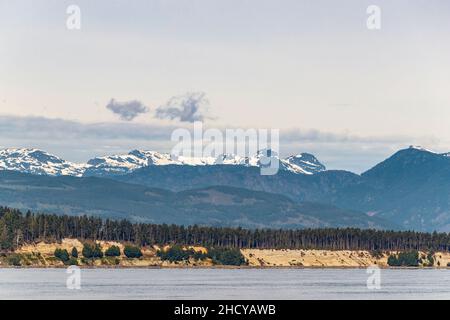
pixel 224 284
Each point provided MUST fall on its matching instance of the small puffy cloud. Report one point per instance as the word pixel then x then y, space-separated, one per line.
pixel 189 107
pixel 127 110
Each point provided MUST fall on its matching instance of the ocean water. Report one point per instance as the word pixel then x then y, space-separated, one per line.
pixel 225 284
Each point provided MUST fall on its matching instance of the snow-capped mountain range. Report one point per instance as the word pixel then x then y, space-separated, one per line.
pixel 36 161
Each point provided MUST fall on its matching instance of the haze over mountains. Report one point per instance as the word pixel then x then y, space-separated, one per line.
pixel 410 190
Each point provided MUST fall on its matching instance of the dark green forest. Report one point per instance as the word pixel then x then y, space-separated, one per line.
pixel 221 256
pixel 17 228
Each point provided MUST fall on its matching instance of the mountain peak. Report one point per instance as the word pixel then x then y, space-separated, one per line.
pixel 306 161
pixel 419 148
pixel 411 162
pixel 35 161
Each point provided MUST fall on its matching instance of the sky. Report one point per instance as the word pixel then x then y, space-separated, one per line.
pixel 137 70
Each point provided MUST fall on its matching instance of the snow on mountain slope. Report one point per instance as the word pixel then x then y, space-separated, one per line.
pixel 230 159
pixel 122 164
pixel 305 162
pixel 420 148
pixel 38 162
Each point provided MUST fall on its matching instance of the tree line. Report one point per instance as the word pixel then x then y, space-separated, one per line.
pixel 221 256
pixel 94 251
pixel 17 228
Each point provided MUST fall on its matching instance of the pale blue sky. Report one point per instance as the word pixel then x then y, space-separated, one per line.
pixel 356 94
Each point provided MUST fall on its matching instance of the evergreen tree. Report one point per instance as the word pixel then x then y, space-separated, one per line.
pixel 74 252
pixel 132 252
pixel 62 255
pixel 113 251
pixel 92 251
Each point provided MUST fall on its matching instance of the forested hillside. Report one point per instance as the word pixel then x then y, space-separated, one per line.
pixel 213 206
pixel 17 228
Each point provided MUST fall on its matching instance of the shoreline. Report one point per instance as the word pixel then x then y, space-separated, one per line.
pixel 41 255
pixel 224 267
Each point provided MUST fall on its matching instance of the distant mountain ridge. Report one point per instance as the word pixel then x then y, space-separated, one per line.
pixel 410 189
pixel 303 163
pixel 215 205
pixel 28 160
pixel 35 161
